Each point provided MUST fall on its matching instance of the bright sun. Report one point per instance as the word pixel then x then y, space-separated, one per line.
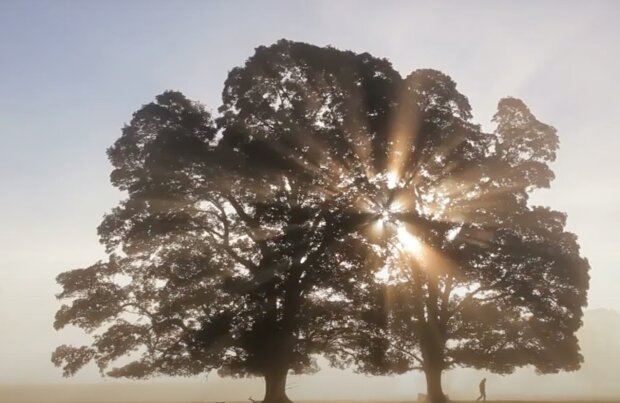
pixel 391 180
pixel 410 243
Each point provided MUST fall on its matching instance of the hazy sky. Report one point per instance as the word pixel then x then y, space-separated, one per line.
pixel 72 72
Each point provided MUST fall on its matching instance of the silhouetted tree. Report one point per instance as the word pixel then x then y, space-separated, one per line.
pixel 481 278
pixel 235 251
pixel 250 244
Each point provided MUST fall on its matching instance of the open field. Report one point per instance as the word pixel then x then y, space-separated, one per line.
pixel 101 399
pixel 191 393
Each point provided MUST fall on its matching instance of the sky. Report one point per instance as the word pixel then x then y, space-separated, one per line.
pixel 72 72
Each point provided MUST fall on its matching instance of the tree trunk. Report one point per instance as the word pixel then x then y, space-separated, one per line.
pixel 434 391
pixel 275 387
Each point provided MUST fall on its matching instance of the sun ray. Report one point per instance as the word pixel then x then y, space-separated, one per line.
pixel 410 243
pixel 403 134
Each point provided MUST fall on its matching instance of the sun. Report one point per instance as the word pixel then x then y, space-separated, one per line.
pixel 391 180
pixel 410 243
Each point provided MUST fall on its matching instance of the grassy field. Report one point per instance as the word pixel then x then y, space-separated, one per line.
pixel 192 393
pixel 69 398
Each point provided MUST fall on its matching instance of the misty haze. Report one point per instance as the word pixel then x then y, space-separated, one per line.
pixel 277 202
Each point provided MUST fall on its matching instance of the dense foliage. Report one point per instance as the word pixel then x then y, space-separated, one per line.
pixel 256 241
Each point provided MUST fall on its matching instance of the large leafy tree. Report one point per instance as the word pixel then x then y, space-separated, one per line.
pixel 478 277
pixel 250 244
pixel 233 251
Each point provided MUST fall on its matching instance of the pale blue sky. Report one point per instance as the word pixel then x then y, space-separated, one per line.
pixel 72 72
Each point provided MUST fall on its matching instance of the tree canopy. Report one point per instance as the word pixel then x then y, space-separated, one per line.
pixel 331 208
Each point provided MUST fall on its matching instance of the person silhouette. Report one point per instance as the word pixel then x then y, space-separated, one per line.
pixel 483 390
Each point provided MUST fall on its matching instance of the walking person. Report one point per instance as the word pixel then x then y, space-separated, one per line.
pixel 483 390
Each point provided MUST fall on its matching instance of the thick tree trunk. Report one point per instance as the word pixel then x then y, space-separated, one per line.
pixel 275 387
pixel 434 391
pixel 432 336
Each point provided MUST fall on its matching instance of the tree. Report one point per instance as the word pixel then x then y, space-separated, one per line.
pixel 250 243
pixel 480 278
pixel 232 252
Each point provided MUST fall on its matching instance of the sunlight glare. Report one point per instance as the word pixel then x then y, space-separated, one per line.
pixel 385 216
pixel 392 180
pixel 410 243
